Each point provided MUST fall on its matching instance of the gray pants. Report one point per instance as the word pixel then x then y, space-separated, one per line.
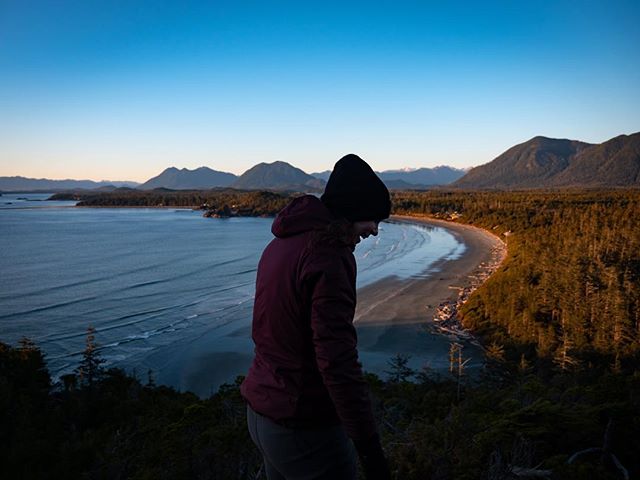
pixel 302 454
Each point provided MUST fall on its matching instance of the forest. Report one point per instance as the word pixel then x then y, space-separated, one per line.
pixel 569 290
pixel 558 398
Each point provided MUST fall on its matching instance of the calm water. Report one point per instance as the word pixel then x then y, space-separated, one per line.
pixel 162 287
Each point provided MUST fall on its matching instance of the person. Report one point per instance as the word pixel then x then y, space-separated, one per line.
pixel 308 406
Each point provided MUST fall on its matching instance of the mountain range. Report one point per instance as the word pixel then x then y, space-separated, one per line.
pixel 267 176
pixel 537 163
pixel 553 163
pixel 412 178
pixel 275 176
pixel 284 176
pixel 24 184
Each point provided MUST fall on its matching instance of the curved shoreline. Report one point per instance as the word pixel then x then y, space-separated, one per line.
pixel 390 318
pixel 392 302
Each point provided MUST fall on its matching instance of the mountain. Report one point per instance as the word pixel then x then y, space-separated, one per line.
pixel 185 179
pixel 528 165
pixel 277 176
pixel 322 175
pixel 549 162
pixel 614 163
pixel 402 185
pixel 24 184
pixel 412 178
pixel 442 175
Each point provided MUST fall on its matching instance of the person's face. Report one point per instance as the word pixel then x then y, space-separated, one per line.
pixel 362 229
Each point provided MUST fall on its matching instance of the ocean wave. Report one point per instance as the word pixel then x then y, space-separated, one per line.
pixel 44 308
pixel 145 314
pixel 189 273
pixel 91 281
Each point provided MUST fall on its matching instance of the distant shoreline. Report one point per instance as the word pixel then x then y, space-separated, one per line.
pixel 142 206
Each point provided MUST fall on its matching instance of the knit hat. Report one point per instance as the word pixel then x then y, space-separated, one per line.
pixel 355 192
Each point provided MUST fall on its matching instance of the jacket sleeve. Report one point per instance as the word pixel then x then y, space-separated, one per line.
pixel 331 279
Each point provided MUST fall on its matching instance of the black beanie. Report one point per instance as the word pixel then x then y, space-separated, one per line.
pixel 355 192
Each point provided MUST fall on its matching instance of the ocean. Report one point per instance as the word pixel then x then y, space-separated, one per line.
pixel 162 287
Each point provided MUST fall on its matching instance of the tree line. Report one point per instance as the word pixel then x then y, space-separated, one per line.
pixel 222 202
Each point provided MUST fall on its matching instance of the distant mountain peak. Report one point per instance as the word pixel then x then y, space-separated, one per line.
pixel 403 169
pixel 185 179
pixel 420 177
pixel 277 175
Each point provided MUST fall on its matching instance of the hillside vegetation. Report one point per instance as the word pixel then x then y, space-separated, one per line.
pixel 569 290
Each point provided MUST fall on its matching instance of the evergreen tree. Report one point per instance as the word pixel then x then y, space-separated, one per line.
pixel 90 369
pixel 399 370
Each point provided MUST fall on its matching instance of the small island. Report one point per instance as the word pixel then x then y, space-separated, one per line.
pixel 216 203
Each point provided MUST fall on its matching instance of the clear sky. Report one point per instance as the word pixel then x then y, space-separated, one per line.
pixel 121 90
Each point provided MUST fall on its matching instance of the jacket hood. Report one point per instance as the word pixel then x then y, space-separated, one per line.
pixel 301 215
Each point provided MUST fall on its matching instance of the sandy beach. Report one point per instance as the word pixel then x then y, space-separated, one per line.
pixel 395 302
pixel 397 316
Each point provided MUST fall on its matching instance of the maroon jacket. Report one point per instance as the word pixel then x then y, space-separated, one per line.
pixel 306 370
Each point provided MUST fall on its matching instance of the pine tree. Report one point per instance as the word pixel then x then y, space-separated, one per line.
pixel 90 369
pixel 399 371
pixel 457 364
pixel 151 379
pixel 32 369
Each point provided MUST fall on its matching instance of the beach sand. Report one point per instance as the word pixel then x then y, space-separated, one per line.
pixel 390 319
pixel 396 302
pixel 393 316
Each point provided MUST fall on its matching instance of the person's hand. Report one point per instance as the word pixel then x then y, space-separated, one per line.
pixel 372 458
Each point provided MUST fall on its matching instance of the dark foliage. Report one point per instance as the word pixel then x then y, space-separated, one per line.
pixel 116 427
pixel 119 428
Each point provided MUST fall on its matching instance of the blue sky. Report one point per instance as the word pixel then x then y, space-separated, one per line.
pixel 121 90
